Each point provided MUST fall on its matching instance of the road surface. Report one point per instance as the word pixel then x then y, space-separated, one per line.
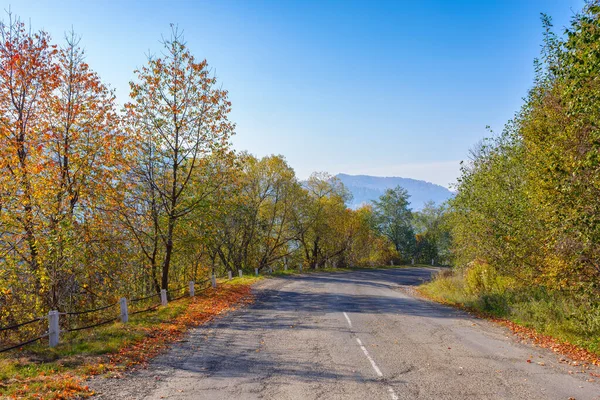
pixel 351 335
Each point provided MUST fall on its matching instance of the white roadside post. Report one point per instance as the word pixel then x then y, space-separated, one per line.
pixel 192 289
pixel 124 312
pixel 392 263
pixel 213 281
pixel 163 297
pixel 413 261
pixel 229 275
pixel 432 261
pixel 240 273
pixel 53 328
pixel 334 264
pixel 285 264
pixel 256 271
pixel 300 268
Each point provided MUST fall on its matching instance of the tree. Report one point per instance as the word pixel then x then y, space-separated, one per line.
pixel 61 156
pixel 320 219
pixel 527 203
pixel 28 77
pixel 85 147
pixel 182 117
pixel 250 225
pixel 368 247
pixel 433 237
pixel 393 217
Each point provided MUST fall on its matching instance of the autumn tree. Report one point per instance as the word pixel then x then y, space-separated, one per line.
pixel 367 247
pixel 250 221
pixel 181 115
pixel 61 155
pixel 85 157
pixel 320 218
pixel 28 77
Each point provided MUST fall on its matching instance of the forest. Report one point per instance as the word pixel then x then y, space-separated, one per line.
pixel 99 200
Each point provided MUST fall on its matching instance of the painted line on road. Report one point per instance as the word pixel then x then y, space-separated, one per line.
pixel 348 319
pixel 373 364
pixel 376 368
pixel 364 349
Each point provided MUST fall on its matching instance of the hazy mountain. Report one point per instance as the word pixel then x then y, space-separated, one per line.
pixel 366 188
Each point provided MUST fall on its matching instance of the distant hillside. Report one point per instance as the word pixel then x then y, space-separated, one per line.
pixel 366 188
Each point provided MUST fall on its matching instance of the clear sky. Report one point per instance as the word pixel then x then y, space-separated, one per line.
pixel 387 88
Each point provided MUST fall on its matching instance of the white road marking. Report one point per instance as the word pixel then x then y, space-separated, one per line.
pixel 375 367
pixel 348 319
pixel 373 364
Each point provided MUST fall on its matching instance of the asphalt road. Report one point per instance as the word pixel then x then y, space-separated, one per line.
pixel 351 335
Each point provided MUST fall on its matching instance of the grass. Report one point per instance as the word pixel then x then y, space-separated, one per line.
pixel 552 316
pixel 37 371
pixel 244 280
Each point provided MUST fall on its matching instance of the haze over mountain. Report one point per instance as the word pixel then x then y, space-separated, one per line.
pixel 366 188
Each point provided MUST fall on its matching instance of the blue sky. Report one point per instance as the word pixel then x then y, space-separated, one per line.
pixel 387 88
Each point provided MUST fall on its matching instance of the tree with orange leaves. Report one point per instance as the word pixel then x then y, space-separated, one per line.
pixel 179 116
pixel 60 152
pixel 85 157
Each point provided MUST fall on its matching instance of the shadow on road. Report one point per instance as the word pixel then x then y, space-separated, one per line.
pixel 229 347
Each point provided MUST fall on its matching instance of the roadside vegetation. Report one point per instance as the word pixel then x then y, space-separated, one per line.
pixel 525 220
pixel 42 373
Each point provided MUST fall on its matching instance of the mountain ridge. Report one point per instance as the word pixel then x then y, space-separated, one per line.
pixel 366 188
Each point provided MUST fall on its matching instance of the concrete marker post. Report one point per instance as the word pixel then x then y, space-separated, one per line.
pixel 256 271
pixel 163 297
pixel 124 312
pixel 229 275
pixel 213 281
pixel 192 289
pixel 53 328
pixel 240 271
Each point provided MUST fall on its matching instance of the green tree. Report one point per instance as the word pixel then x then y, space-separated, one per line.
pixel 394 220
